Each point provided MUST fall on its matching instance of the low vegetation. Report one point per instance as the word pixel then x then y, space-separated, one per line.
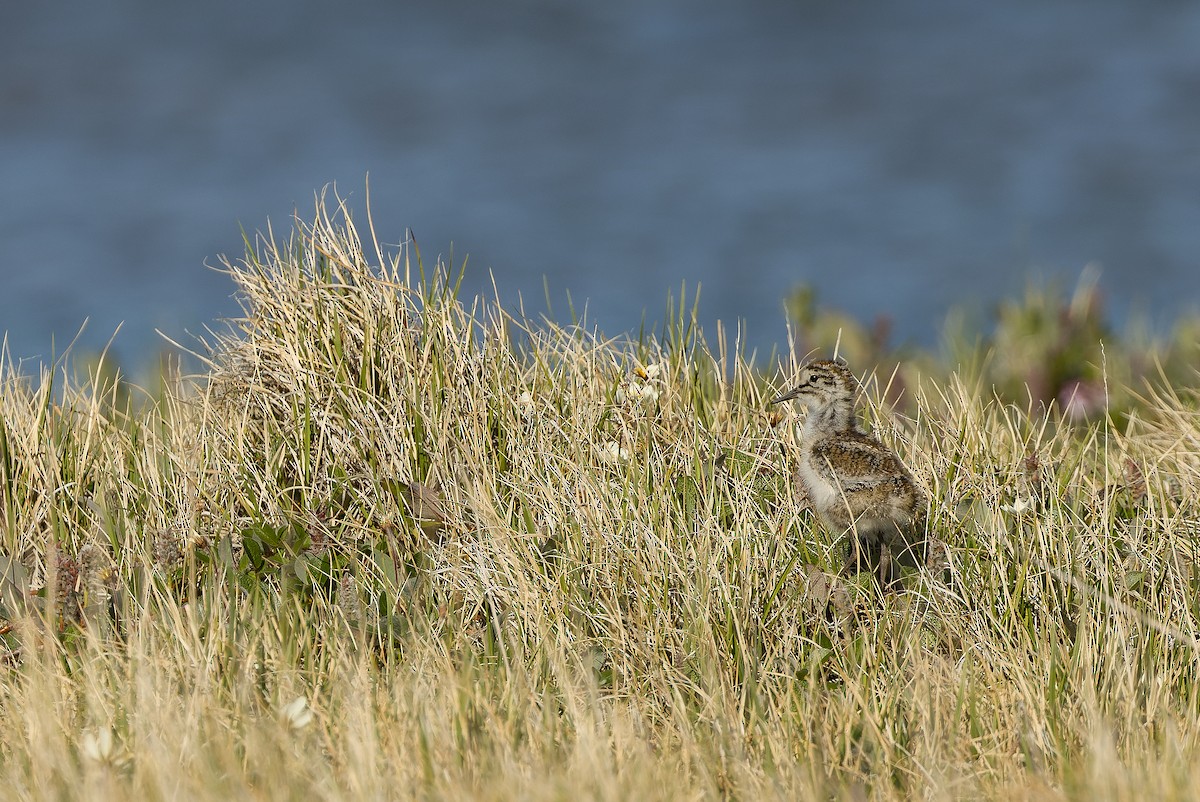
pixel 391 544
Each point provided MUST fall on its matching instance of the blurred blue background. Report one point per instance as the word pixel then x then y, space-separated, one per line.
pixel 900 157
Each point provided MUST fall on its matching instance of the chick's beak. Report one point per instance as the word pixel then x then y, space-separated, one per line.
pixel 789 395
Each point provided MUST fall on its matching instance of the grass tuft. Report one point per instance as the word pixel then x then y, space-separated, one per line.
pixel 395 544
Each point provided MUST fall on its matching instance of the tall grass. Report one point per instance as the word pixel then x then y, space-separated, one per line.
pixel 395 545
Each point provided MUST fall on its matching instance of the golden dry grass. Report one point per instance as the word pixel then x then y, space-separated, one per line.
pixel 500 559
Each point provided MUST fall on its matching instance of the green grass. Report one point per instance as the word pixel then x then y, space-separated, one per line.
pixel 504 559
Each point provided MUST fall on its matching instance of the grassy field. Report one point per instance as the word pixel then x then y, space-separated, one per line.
pixel 396 545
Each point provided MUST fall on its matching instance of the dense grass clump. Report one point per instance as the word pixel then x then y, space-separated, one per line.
pixel 391 545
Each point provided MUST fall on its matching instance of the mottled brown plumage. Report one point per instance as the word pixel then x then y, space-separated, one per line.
pixel 856 484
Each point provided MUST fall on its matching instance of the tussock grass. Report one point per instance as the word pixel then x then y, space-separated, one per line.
pixel 504 559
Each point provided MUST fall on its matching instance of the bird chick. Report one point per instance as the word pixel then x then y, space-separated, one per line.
pixel 856 484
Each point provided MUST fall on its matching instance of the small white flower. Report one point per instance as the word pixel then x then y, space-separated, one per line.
pixel 621 395
pixel 97 745
pixel 1020 505
pixel 612 452
pixel 297 714
pixel 525 404
pixel 647 394
pixel 649 372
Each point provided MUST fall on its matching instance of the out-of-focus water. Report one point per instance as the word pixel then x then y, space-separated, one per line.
pixel 901 157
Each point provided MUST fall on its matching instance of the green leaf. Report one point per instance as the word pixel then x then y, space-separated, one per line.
pixel 14 586
pixel 253 550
